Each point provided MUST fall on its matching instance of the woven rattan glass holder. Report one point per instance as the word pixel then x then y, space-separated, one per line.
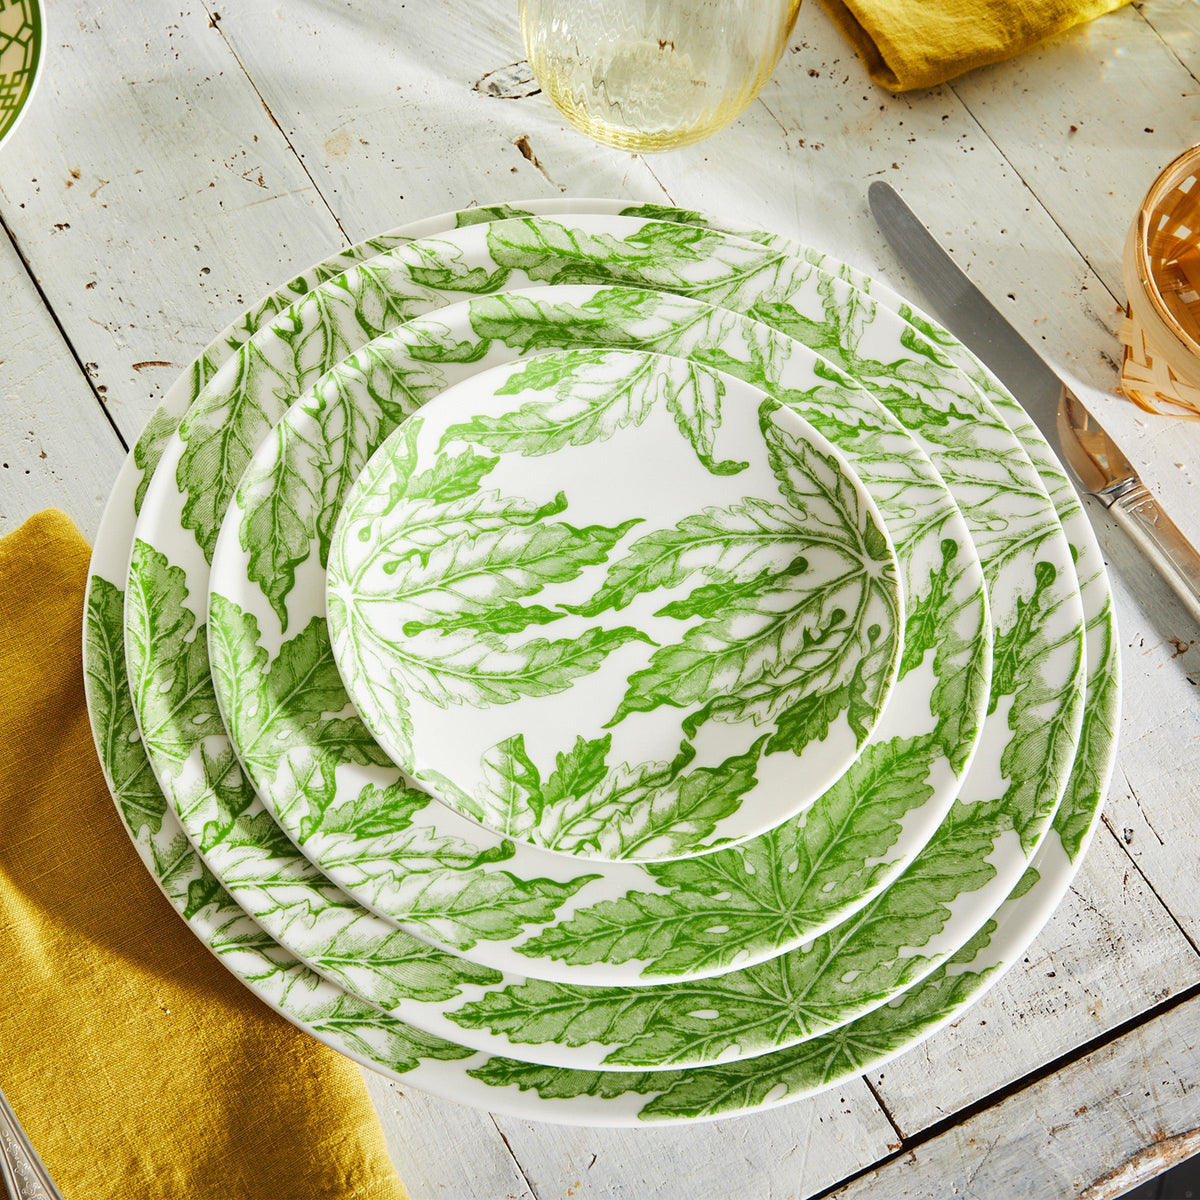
pixel 1161 271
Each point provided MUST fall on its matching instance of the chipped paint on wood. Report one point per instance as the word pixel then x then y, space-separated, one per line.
pixel 514 82
pixel 1145 1164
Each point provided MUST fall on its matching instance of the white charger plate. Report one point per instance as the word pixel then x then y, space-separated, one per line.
pixel 1081 816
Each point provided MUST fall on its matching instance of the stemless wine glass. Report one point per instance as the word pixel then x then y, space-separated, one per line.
pixel 654 74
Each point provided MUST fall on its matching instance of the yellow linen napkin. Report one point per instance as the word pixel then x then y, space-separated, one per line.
pixel 137 1064
pixel 908 44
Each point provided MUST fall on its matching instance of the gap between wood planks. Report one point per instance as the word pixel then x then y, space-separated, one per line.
pixel 61 331
pixel 524 145
pixel 1139 9
pixel 512 1155
pixel 214 21
pixel 516 82
pixel 931 1132
pixel 946 1124
pixel 1118 301
pixel 1191 941
pixel 1034 197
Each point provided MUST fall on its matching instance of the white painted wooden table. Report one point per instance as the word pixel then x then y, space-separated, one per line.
pixel 179 162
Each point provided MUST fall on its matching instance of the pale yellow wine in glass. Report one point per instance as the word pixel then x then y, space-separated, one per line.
pixel 654 74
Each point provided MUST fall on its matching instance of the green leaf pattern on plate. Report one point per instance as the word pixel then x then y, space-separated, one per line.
pixel 225 422
pixel 999 896
pixel 673 1095
pixel 564 1083
pixel 758 628
pixel 797 902
pixel 591 406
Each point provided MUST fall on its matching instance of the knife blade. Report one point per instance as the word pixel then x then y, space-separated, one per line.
pixel 1095 461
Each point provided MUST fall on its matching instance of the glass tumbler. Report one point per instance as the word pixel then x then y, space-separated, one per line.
pixel 654 74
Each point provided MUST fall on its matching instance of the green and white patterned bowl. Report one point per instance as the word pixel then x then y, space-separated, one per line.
pixel 22 50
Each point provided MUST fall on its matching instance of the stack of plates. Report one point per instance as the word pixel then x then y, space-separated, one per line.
pixel 701 699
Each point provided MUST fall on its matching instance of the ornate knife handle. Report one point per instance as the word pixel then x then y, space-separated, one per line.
pixel 20 1168
pixel 1158 538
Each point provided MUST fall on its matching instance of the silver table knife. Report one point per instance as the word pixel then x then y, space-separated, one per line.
pixel 1092 456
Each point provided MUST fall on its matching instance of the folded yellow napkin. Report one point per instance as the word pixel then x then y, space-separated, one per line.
pixel 908 44
pixel 137 1064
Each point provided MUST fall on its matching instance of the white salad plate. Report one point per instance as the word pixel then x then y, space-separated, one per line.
pixel 610 1098
pixel 492 620
pixel 622 923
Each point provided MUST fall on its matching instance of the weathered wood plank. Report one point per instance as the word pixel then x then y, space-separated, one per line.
pixel 1109 953
pixel 442 1150
pixel 152 195
pixel 786 1154
pixel 1088 153
pixel 409 133
pixel 1058 129
pixel 1152 805
pixel 43 394
pixel 1177 23
pixel 1115 1118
